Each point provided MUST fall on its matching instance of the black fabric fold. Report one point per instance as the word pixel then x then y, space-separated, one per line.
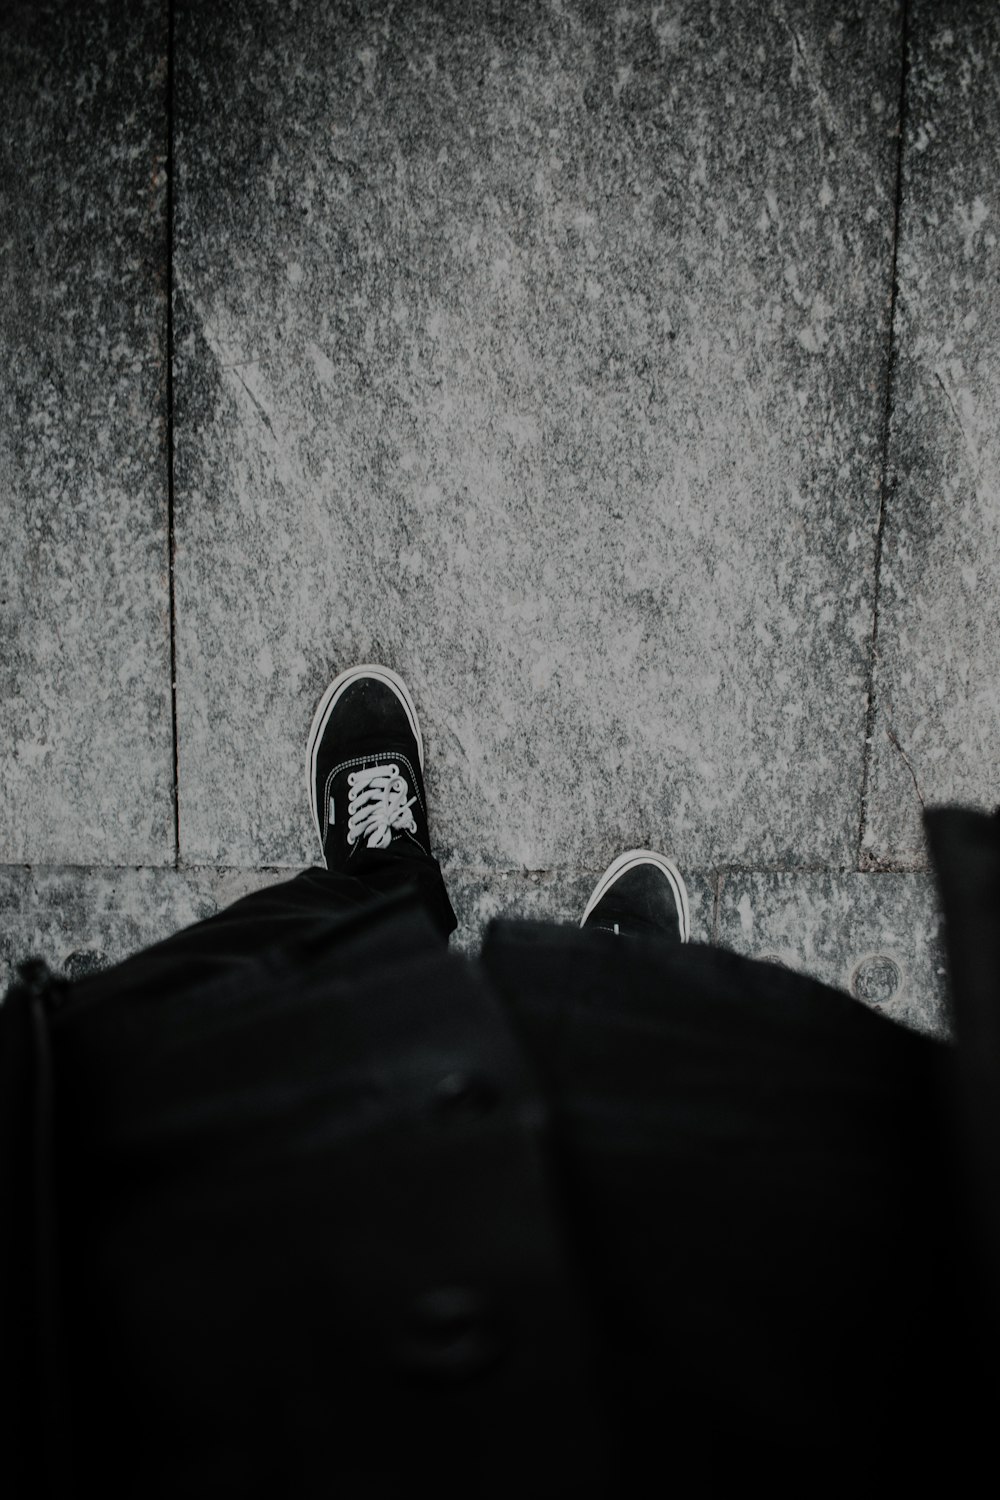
pixel 965 848
pixel 309 1204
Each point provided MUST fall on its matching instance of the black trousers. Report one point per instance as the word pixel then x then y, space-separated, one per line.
pixel 276 916
pixel 338 1210
pixel 306 1240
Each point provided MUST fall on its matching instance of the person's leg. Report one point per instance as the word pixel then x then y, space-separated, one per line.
pixel 749 1158
pixel 364 761
pixel 277 914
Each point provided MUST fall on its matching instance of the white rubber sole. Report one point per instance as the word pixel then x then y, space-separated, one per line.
pixel 628 861
pixel 328 703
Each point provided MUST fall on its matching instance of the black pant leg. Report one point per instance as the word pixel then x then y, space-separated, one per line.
pixel 761 1177
pixel 274 915
pixel 305 1235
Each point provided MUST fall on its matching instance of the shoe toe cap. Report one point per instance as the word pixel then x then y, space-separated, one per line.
pixel 642 899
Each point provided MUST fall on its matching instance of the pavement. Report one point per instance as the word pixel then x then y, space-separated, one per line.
pixel 625 377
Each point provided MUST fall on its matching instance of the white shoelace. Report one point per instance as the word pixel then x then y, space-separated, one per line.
pixel 378 805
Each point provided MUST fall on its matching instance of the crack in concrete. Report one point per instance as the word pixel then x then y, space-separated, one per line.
pixel 818 92
pixel 263 414
pixel 169 435
pixel 866 859
pixel 971 457
pixel 894 741
pixel 712 876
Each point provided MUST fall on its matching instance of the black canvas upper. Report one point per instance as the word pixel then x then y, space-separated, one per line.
pixel 640 901
pixel 368 729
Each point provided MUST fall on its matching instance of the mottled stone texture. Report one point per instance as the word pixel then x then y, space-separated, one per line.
pixel 86 762
pixel 877 936
pixel 82 920
pixel 937 731
pixel 537 350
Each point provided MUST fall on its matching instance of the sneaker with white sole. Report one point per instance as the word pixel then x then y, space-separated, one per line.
pixel 640 894
pixel 364 765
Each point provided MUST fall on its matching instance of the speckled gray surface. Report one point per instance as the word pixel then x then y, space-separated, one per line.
pixel 540 352
pixel 86 739
pixel 80 920
pixel 878 936
pixel 537 351
pixel 937 731
pixel 83 919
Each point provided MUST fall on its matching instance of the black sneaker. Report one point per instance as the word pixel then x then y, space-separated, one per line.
pixel 640 894
pixel 364 762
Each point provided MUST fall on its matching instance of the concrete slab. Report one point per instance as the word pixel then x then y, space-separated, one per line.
pixel 538 352
pixel 876 936
pixel 86 753
pixel 937 729
pixel 80 920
